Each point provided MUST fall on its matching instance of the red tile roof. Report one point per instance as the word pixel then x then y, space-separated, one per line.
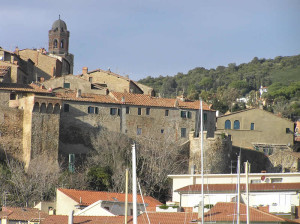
pixel 4 70
pixel 132 99
pixel 146 100
pixel 32 88
pixel 167 217
pixel 232 187
pixel 22 214
pixel 63 219
pixel 226 212
pixel 89 197
pixel 87 97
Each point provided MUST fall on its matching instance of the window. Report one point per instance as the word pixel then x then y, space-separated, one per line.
pixel 252 126
pixel 205 116
pixel 183 132
pixel 13 96
pixel 66 108
pixel 287 130
pixel 162 131
pixel 62 44
pixel 127 110
pixel 93 110
pixel 139 131
pixel 236 125
pixel 166 113
pixel 55 43
pixel 67 85
pixel 113 111
pixel 185 114
pixel 147 111
pixel 139 111
pixel 227 124
pixel 90 79
pixel 276 180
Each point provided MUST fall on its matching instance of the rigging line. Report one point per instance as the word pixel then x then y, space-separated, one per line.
pixel 143 201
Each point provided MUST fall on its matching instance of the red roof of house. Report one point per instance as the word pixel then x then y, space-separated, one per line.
pixel 63 219
pixel 89 197
pixel 22 214
pixel 87 97
pixel 167 217
pixel 146 100
pixel 31 88
pixel 226 211
pixel 232 187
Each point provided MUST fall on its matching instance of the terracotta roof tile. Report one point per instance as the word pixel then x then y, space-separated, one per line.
pixel 167 217
pixel 146 100
pixel 226 211
pixel 4 70
pixel 32 88
pixel 90 197
pixel 232 187
pixel 63 219
pixel 87 97
pixel 22 214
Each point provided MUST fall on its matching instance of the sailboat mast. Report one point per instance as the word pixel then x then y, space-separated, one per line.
pixel 202 161
pixel 126 196
pixel 134 188
pixel 247 169
pixel 239 190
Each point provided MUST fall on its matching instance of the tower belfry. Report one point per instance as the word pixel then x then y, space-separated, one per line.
pixel 59 43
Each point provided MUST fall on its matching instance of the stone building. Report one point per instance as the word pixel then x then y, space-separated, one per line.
pixel 253 126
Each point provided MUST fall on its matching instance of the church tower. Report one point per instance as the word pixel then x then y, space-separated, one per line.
pixel 59 45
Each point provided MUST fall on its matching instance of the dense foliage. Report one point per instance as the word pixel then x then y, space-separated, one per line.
pixel 223 85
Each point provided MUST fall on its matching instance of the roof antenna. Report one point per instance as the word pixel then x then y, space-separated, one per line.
pixel 58 16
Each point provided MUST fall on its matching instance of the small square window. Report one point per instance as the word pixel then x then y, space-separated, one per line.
pixel 13 96
pixel 287 130
pixel 252 126
pixel 66 107
pixel 113 111
pixel 183 114
pixel 127 110
pixel 166 113
pixel 162 131
pixel 91 110
pixel 67 85
pixel 147 111
pixel 139 111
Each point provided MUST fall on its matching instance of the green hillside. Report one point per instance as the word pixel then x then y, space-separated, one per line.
pixel 223 85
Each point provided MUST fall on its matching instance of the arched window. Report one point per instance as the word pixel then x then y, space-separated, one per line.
pixel 227 124
pixel 236 125
pixel 62 44
pixel 55 43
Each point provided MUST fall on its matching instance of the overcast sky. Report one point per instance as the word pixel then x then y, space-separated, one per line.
pixel 143 38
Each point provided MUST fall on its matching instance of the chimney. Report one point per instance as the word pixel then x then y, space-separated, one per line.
pixel 78 93
pixel 84 70
pixel 123 99
pixel 70 220
pixel 17 51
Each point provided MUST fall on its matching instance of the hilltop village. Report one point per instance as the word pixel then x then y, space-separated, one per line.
pixel 48 111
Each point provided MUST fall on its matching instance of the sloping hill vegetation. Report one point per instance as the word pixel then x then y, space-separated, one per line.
pixel 223 85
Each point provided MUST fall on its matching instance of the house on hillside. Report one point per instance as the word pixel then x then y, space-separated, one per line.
pixel 115 82
pixel 98 203
pixel 253 126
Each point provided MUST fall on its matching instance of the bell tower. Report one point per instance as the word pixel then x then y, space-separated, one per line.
pixel 59 45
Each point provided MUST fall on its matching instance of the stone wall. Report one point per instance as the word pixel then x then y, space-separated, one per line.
pixel 11 131
pixel 217 153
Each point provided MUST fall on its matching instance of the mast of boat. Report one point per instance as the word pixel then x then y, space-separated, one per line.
pixel 247 169
pixel 239 190
pixel 126 196
pixel 202 161
pixel 134 188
